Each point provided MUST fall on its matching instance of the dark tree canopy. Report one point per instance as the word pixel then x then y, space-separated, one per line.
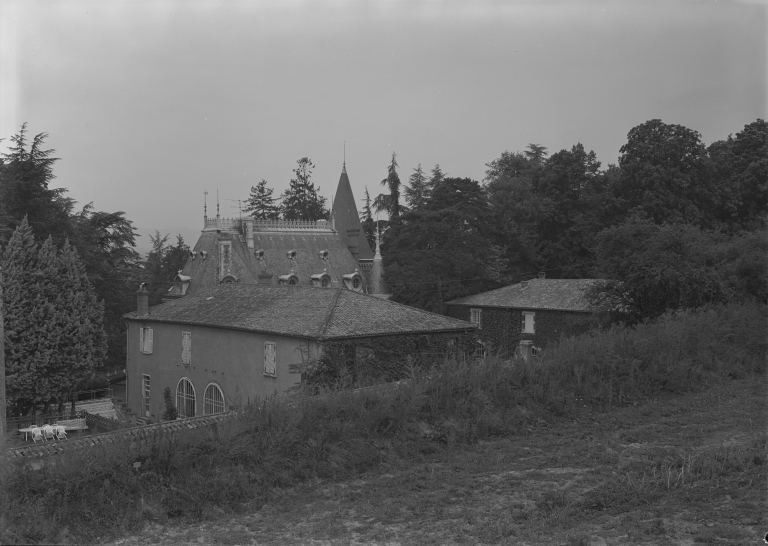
pixel 301 200
pixel 442 251
pixel 392 182
pixel 261 204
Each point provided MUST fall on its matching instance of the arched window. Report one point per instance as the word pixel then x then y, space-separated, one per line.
pixel 293 280
pixel 185 398
pixel 356 283
pixel 325 282
pixel 214 400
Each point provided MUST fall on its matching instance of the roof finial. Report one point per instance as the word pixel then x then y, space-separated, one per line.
pixel 217 202
pixel 345 154
pixel 205 203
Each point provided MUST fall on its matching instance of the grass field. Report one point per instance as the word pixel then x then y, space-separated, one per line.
pixel 682 469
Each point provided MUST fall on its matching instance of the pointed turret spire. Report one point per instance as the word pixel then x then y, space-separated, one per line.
pixel 346 219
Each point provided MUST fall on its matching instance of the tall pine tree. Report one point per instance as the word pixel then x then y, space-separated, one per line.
pixel 392 182
pixel 301 200
pixel 366 217
pixel 418 190
pixel 261 204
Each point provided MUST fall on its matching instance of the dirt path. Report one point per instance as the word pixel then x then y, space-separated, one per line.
pixel 682 470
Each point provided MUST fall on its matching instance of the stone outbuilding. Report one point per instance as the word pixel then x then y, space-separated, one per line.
pixel 528 315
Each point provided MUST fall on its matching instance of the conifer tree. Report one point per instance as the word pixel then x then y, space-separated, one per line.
pixel 369 226
pixel 261 204
pixel 20 305
pixel 83 345
pixel 392 182
pixel 437 176
pixel 301 200
pixel 418 190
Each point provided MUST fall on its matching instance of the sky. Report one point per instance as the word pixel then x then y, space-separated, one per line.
pixel 150 103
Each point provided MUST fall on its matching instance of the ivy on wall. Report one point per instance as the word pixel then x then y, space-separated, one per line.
pixel 387 358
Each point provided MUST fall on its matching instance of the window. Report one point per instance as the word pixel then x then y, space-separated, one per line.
pixel 145 394
pixel 356 283
pixel 270 358
pixel 213 400
pixel 528 323
pixel 145 340
pixel 325 282
pixel 225 255
pixel 185 398
pixel 293 280
pixel 186 348
pixel 474 316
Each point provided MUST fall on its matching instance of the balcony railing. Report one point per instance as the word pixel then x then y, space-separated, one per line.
pixel 238 225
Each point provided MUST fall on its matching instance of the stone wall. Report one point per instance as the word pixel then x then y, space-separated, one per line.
pixel 501 328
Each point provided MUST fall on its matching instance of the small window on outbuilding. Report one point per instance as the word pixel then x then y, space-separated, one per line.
pixel 270 359
pixel 474 316
pixel 529 325
pixel 145 340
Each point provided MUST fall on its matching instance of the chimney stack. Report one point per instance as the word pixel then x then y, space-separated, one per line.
pixel 249 233
pixel 142 300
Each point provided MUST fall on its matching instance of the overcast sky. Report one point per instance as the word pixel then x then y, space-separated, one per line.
pixel 150 103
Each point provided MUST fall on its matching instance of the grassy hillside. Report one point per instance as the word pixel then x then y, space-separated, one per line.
pixel 569 408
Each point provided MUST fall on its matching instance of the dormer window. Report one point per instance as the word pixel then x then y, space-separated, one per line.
pixel 182 282
pixel 229 278
pixel 322 280
pixel 353 281
pixel 291 279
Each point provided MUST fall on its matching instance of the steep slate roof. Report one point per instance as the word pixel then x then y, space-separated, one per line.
pixel 250 270
pixel 299 311
pixel 555 294
pixel 347 219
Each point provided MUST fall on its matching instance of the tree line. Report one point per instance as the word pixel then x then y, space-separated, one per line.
pixel 675 224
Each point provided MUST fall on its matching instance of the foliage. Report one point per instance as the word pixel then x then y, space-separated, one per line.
pixel 55 338
pixel 261 204
pixel 442 251
pixel 392 182
pixel 653 268
pixel 163 263
pixel 665 173
pixel 25 174
pixel 104 241
pixel 418 190
pixel 170 413
pixel 367 221
pixel 301 200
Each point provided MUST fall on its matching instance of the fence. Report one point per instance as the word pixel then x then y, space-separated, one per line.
pixel 13 424
pixel 97 423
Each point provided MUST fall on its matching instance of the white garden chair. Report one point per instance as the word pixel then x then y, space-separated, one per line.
pixel 60 432
pixel 48 432
pixel 37 433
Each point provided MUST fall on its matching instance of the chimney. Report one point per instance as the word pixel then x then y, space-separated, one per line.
pixel 249 233
pixel 142 300
pixel 542 275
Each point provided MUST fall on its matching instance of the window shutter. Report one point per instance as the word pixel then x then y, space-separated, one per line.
pixel 141 339
pixel 149 331
pixel 269 359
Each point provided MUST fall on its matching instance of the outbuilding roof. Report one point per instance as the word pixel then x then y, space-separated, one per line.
pixel 299 311
pixel 554 294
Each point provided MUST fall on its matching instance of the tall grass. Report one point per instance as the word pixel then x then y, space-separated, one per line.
pixel 115 488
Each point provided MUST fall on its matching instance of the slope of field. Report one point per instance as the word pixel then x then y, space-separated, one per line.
pixel 687 469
